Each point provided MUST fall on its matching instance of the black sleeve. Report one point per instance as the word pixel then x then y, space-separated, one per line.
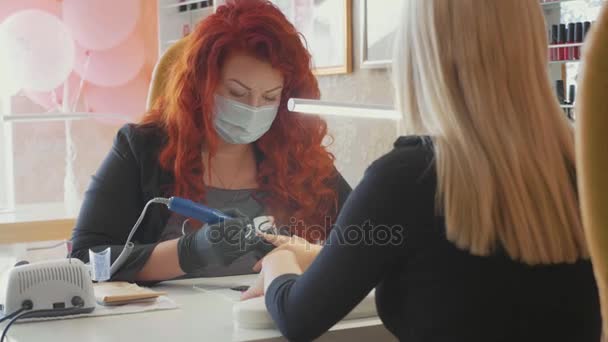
pixel 367 243
pixel 111 206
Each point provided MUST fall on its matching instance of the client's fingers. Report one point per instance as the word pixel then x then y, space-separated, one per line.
pixel 252 293
pixel 276 240
pixel 258 266
pixel 255 290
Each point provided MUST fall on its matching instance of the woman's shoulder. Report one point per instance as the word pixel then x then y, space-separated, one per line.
pixel 140 143
pixel 412 141
pixel 140 138
pixel 412 157
pixel 142 134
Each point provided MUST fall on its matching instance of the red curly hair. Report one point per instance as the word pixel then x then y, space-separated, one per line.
pixel 296 172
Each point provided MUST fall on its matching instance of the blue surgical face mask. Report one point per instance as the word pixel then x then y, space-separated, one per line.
pixel 238 123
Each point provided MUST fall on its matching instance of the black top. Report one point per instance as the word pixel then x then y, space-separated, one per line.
pixel 127 179
pixel 426 288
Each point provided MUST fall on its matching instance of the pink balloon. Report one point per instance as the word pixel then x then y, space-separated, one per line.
pixel 45 98
pixel 8 7
pixel 101 24
pixel 114 67
pixel 128 100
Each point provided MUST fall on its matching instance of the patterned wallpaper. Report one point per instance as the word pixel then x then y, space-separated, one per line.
pixel 358 142
pixel 581 10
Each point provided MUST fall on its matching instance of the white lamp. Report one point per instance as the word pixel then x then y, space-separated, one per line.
pixel 308 106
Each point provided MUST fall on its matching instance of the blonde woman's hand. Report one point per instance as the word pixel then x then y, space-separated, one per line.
pixel 256 289
pixel 275 264
pixel 304 251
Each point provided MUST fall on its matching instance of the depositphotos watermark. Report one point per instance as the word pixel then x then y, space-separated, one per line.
pixel 242 233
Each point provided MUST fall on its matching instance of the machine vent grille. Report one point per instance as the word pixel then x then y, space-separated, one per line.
pixel 70 274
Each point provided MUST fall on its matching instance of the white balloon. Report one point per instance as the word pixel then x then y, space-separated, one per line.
pixel 46 45
pixel 12 70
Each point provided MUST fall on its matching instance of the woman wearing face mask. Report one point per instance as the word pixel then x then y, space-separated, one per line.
pixel 469 229
pixel 220 134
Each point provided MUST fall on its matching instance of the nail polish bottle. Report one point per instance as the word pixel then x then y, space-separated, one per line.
pixel 571 99
pixel 571 40
pixel 559 89
pixel 562 38
pixel 553 54
pixel 578 38
pixel 572 94
pixel 586 28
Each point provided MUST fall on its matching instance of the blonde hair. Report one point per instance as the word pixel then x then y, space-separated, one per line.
pixel 472 74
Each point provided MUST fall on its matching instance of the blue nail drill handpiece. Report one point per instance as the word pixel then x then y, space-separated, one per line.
pixel 194 210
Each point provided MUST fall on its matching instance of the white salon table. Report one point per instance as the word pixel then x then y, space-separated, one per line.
pixel 204 314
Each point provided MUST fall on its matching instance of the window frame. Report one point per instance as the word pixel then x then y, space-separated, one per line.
pixel 7 184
